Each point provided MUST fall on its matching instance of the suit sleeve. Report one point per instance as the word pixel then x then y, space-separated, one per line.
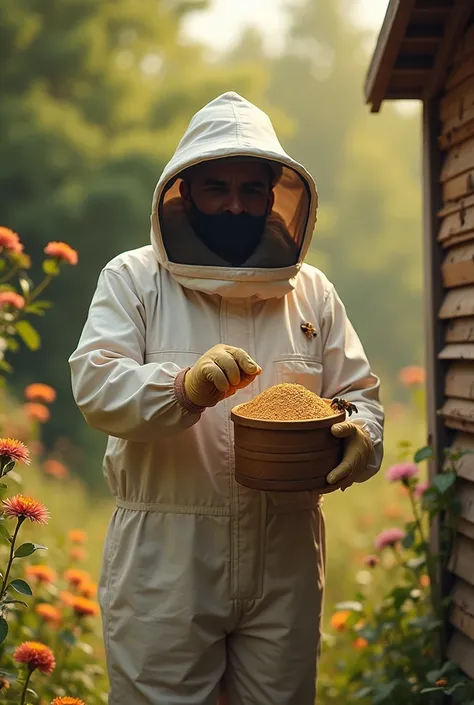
pixel 115 390
pixel 347 373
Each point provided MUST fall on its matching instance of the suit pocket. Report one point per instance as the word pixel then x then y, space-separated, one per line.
pixel 298 369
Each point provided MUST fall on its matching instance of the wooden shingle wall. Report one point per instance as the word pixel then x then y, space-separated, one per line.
pixel 456 235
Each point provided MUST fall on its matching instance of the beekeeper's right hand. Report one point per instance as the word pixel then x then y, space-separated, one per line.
pixel 218 374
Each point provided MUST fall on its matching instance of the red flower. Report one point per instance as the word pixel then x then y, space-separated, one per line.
pixel 84 607
pixel 65 700
pixel 36 656
pixel 11 449
pixel 23 507
pixel 10 298
pixel 40 392
pixel 37 412
pixel 9 240
pixel 62 252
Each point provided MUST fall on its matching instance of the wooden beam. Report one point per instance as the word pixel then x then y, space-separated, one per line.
pixel 386 52
pixel 433 297
pixel 457 19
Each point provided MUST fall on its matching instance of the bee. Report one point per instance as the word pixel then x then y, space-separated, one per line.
pixel 340 404
pixel 309 330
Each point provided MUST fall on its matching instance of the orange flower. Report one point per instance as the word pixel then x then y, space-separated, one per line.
pixel 84 607
pixel 36 656
pixel 55 469
pixel 412 376
pixel 77 536
pixel 442 682
pixel 65 700
pixel 339 619
pixel 37 412
pixel 67 598
pixel 40 392
pixel 10 449
pixel 360 643
pixel 41 573
pixel 393 511
pixel 48 612
pixel 76 576
pixel 424 581
pixel 4 684
pixel 10 298
pixel 88 589
pixel 25 508
pixel 62 252
pixel 9 240
pixel 77 553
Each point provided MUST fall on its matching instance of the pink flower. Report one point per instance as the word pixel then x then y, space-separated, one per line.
pixel 389 537
pixel 10 298
pixel 401 472
pixel 421 488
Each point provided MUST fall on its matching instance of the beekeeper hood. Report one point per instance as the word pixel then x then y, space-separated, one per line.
pixel 231 127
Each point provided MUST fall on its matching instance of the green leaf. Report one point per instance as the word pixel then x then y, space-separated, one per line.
pixel 8 467
pixel 431 690
pixel 67 637
pixel 38 308
pixel 444 481
pixel 12 344
pixel 5 366
pixel 383 692
pixel 3 629
pixel 351 606
pixel 4 533
pixel 362 693
pixel 423 454
pixel 26 549
pixel 408 540
pixel 21 586
pixel 28 334
pixel 51 267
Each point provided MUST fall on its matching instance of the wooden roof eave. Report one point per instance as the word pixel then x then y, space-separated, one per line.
pixel 387 51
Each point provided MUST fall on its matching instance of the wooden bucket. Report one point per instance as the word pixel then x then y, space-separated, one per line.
pixel 285 456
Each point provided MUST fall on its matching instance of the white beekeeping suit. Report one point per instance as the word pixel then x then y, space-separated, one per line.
pixel 202 577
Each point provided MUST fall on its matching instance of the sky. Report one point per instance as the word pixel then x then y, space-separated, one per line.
pixel 221 25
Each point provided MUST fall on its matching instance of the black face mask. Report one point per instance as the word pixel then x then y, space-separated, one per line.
pixel 232 237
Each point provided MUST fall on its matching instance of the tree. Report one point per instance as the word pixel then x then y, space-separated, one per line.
pixel 367 168
pixel 94 96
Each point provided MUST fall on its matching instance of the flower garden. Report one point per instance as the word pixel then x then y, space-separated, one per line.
pixel 384 616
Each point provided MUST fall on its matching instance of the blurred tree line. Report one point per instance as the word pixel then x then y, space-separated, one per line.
pixel 94 96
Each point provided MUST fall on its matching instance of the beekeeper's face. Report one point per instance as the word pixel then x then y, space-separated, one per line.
pixel 229 186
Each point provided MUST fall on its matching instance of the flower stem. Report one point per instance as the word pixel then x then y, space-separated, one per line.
pixel 25 687
pixel 40 288
pixel 10 559
pixel 9 275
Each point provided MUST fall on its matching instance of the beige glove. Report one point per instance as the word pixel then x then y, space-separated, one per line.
pixel 218 374
pixel 358 447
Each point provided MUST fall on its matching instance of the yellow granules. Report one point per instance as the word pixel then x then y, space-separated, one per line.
pixel 286 402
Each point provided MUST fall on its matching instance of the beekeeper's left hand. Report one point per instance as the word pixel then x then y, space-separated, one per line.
pixel 358 447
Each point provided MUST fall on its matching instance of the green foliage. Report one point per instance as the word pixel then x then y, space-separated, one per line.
pixel 367 168
pixel 95 95
pixel 393 636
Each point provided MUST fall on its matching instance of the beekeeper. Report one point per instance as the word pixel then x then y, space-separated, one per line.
pixel 204 580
